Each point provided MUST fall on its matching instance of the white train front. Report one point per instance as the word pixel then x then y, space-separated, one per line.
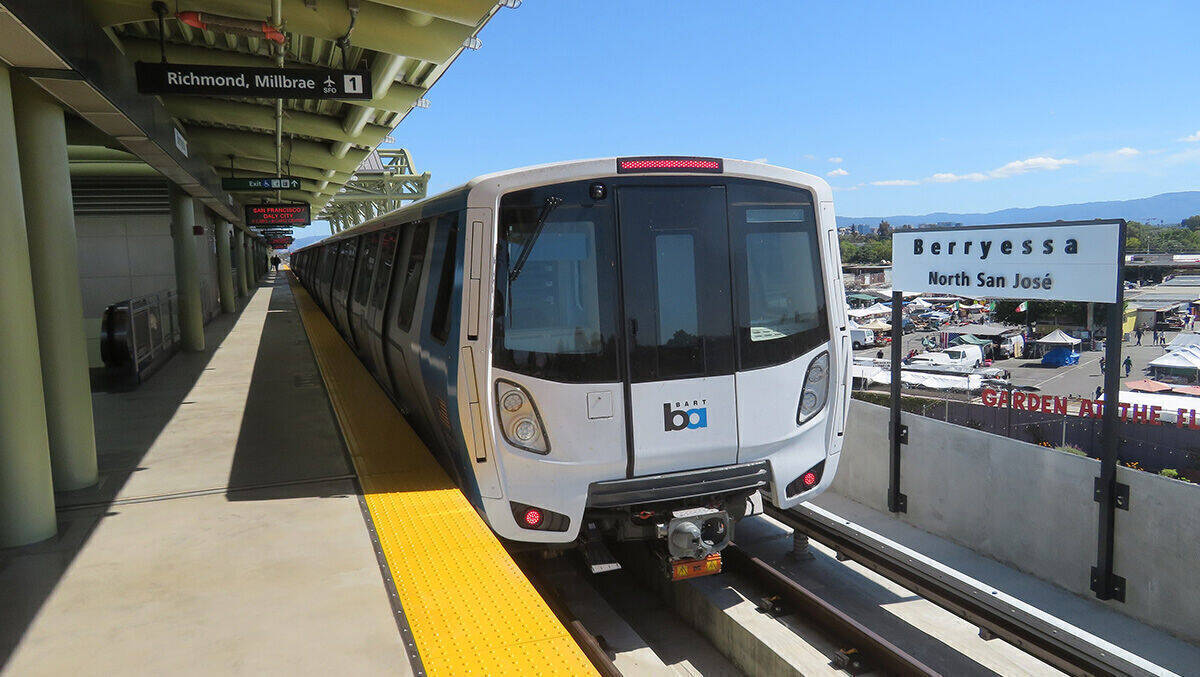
pixel 630 346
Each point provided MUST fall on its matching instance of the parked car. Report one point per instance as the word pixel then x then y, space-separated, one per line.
pixel 862 338
pixel 965 355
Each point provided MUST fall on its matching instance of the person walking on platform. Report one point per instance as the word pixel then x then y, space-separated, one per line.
pixel 1099 392
pixel 1128 366
pixel 275 260
pixel 1138 333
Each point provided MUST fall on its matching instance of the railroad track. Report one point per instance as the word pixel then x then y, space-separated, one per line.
pixel 858 648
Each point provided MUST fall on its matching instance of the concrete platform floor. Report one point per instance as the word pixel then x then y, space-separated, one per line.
pixel 225 535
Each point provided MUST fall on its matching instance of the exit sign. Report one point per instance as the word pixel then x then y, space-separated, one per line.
pixel 261 183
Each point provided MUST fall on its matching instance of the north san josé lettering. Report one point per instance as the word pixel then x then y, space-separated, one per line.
pixel 1052 404
pixel 963 279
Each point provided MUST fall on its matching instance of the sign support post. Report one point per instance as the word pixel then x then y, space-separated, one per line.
pixel 896 501
pixel 1108 492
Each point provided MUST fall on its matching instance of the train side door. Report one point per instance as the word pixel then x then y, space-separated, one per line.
pixel 678 317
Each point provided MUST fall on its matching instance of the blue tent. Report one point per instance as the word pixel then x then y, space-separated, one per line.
pixel 1060 357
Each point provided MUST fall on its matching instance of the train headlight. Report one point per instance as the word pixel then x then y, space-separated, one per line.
pixel 520 422
pixel 816 389
pixel 525 430
pixel 512 401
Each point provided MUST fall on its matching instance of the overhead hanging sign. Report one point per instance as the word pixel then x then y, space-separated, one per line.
pixel 252 81
pixel 1062 261
pixel 277 215
pixel 261 183
pixel 279 242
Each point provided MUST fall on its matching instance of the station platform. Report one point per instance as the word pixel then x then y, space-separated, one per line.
pixel 229 533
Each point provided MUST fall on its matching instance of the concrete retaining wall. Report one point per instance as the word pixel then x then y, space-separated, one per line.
pixel 1031 507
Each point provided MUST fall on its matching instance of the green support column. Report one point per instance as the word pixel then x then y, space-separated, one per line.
pixel 247 247
pixel 225 268
pixel 187 278
pixel 239 256
pixel 54 261
pixel 26 488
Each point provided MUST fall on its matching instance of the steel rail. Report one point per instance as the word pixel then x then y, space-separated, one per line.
pixel 588 642
pixel 1052 640
pixel 879 652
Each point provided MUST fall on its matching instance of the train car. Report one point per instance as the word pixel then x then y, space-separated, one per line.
pixel 631 347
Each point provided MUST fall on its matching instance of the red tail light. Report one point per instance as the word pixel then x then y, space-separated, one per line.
pixel 809 479
pixel 533 517
pixel 669 164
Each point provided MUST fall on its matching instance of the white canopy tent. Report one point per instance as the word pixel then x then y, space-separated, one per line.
pixel 1058 338
pixel 1187 357
pixel 877 309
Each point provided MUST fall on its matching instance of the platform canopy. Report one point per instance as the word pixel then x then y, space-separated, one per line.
pixel 83 52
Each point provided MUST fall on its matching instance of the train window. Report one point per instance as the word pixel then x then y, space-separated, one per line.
pixel 366 266
pixel 387 252
pixel 556 288
pixel 439 325
pixel 412 276
pixel 679 348
pixel 780 299
pixel 345 267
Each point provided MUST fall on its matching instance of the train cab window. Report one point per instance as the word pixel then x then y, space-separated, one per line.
pixel 780 299
pixel 439 324
pixel 679 348
pixel 387 252
pixel 412 275
pixel 556 286
pixel 366 267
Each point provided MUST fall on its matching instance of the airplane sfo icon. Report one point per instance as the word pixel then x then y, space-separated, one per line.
pixel 680 418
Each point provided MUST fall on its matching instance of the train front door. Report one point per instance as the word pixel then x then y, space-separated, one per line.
pixel 679 334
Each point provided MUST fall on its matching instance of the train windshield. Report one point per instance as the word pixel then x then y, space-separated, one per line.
pixel 556 285
pixel 720 275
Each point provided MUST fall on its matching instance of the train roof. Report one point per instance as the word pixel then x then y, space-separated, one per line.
pixel 455 198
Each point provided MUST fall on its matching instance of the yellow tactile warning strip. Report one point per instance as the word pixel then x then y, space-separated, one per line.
pixel 470 609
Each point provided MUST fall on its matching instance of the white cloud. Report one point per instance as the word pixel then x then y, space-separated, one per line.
pixel 838 172
pixel 1128 152
pixel 1014 168
pixel 846 189
pixel 1033 164
pixel 1191 137
pixel 836 160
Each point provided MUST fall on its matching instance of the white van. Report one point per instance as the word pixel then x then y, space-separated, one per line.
pixel 933 358
pixel 965 355
pixel 862 338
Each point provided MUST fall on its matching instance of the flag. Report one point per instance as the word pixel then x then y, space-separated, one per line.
pixel 1023 307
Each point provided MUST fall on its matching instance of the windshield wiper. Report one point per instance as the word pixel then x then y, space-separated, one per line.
pixel 550 205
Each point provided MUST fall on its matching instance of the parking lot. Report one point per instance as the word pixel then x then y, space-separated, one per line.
pixel 1081 379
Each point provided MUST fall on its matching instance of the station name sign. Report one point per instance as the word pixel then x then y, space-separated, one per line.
pixel 251 81
pixel 261 183
pixel 278 215
pixel 1054 261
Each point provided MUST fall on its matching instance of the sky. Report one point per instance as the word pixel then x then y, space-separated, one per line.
pixel 905 108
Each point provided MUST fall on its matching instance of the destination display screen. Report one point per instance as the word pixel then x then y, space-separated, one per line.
pixel 278 215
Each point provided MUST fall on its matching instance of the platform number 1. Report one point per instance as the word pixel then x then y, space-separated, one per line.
pixel 353 84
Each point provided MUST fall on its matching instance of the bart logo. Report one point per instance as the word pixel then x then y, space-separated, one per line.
pixel 678 419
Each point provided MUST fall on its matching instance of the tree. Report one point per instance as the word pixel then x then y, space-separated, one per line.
pixel 848 251
pixel 1192 223
pixel 885 229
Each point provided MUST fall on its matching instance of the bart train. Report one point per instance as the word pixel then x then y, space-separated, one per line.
pixel 625 346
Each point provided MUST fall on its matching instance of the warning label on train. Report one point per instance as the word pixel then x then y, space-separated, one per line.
pixel 276 215
pixel 1058 261
pixel 250 81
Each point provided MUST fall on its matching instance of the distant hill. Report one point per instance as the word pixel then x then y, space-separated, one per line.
pixel 1170 207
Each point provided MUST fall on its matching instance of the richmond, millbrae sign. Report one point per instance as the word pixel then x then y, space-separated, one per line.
pixel 1058 261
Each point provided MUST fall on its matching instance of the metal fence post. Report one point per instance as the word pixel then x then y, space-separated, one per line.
pixel 896 501
pixel 1107 491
